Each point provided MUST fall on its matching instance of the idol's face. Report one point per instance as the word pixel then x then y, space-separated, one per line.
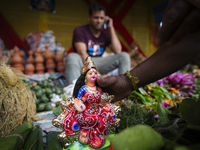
pixel 96 20
pixel 91 75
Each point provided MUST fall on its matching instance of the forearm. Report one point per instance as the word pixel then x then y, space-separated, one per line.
pixel 115 43
pixel 166 60
pixel 83 56
pixel 81 50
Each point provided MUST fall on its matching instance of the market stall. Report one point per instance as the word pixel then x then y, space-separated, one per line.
pixel 166 109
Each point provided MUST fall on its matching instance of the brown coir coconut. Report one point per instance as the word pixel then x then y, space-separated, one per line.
pixel 17 102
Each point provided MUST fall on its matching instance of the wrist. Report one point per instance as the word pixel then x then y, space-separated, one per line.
pixel 111 28
pixel 128 82
pixel 131 80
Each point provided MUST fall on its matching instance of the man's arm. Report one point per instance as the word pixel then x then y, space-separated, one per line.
pixel 180 45
pixel 115 45
pixel 81 50
pixel 166 60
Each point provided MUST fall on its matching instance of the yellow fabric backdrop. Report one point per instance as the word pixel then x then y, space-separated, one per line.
pixel 72 13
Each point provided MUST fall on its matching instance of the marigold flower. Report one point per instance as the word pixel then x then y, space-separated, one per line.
pixel 147 106
pixel 149 87
pixel 172 103
pixel 147 94
pixel 180 100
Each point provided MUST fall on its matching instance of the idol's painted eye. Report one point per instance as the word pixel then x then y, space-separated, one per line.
pixel 90 73
pixel 95 73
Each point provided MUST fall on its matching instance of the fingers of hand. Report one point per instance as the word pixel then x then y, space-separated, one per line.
pixel 107 18
pixel 107 81
pixel 172 19
pixel 101 81
pixel 170 5
pixel 190 24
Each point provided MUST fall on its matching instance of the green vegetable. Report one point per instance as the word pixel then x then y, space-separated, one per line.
pixel 48 107
pixel 50 96
pixel 44 99
pixel 58 91
pixel 44 85
pixel 37 101
pixel 48 91
pixel 41 106
pixel 36 88
pixel 30 85
pixel 51 84
pixel 38 94
pixel 139 137
pixel 40 83
pixel 43 91
pixel 53 90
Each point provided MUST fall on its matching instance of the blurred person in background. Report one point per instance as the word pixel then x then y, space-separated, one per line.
pixel 92 40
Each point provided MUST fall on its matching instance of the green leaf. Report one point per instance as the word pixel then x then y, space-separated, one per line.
pixel 169 96
pixel 14 140
pixel 148 99
pixel 194 113
pixel 154 106
pixel 53 143
pixel 157 92
pixel 140 96
pixel 57 111
pixel 133 96
pixel 139 137
pixel 199 97
pixel 162 114
pixel 167 111
pixel 185 105
pixel 159 99
pixel 163 89
pixel 142 91
pixel 193 127
pixel 152 85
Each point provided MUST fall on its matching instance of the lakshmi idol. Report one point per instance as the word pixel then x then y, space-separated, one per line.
pixel 88 114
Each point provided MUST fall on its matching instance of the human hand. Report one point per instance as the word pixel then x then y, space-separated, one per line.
pixel 180 19
pixel 119 86
pixel 109 21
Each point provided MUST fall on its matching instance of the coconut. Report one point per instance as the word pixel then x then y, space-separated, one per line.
pixel 17 102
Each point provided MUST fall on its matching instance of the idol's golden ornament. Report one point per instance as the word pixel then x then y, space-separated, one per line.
pixel 88 64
